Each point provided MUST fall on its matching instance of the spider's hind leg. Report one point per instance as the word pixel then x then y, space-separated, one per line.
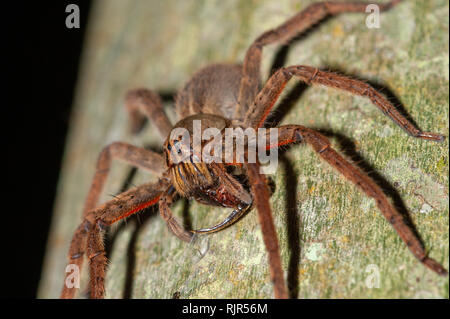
pixel 297 133
pixel 294 26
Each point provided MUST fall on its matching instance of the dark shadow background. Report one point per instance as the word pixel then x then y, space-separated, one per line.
pixel 42 75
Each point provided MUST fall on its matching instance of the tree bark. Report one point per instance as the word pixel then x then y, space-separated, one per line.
pixel 334 242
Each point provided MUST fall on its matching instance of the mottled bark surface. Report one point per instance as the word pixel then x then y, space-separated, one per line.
pixel 333 239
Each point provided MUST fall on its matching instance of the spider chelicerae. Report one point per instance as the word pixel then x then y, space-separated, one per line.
pixel 228 96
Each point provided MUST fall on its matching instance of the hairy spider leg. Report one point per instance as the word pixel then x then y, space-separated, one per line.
pixel 261 196
pixel 296 25
pixel 133 155
pixel 297 133
pixel 142 104
pixel 266 98
pixel 95 221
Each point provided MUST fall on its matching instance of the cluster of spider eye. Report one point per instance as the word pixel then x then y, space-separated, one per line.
pixel 212 183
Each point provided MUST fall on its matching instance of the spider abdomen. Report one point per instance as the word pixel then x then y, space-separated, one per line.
pixel 214 89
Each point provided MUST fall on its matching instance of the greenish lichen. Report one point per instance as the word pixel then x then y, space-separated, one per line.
pixel 343 237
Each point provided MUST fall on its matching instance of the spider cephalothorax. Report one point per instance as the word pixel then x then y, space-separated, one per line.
pixel 208 183
pixel 222 97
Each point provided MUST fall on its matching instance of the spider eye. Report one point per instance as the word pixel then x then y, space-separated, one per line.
pixel 169 147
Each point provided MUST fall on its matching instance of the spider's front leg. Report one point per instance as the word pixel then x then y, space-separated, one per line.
pixel 133 155
pixel 124 152
pixel 296 133
pixel 120 207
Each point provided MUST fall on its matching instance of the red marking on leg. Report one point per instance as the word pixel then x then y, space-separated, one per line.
pixel 280 144
pixel 138 208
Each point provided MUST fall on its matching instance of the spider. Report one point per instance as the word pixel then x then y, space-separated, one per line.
pixel 230 96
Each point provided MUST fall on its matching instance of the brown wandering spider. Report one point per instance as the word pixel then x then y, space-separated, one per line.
pixel 228 96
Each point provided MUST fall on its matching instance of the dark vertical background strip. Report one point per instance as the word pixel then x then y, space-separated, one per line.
pixel 44 69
